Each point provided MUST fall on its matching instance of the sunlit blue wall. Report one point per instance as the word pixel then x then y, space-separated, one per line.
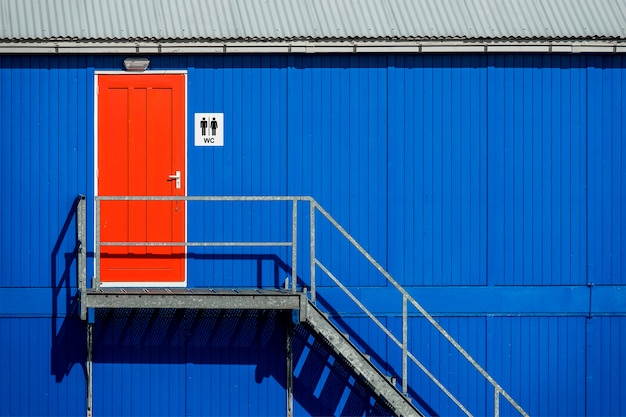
pixel 493 187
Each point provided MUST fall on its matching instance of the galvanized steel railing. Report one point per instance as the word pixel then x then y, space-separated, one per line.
pixel 314 208
pixel 293 243
pixel 406 300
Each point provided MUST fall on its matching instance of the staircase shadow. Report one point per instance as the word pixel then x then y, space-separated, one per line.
pixel 364 347
pixel 325 385
pixel 195 339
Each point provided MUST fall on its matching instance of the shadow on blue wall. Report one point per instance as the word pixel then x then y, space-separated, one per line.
pixel 375 357
pixel 323 385
pixel 260 279
pixel 69 344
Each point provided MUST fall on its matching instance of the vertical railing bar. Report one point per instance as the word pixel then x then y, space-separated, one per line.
pixel 405 341
pixel 294 246
pixel 312 248
pixel 96 283
pixel 82 241
pixel 512 401
pixel 289 355
pixel 89 370
pixel 81 261
pixel 496 402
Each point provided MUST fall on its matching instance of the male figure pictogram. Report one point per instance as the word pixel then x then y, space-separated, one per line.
pixel 203 125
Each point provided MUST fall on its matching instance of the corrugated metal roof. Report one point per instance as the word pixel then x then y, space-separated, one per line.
pixel 287 20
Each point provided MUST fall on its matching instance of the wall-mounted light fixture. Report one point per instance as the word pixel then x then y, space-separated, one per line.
pixel 136 64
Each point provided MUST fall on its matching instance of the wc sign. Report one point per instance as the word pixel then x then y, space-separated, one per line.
pixel 209 129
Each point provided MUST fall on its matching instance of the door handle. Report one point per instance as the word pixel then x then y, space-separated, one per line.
pixel 176 177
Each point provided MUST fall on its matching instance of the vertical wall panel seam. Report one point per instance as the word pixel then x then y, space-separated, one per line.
pixel 13 280
pixel 586 366
pixel 3 154
pixel 587 319
pixel 487 171
pixel 587 73
pixel 288 69
pixel 385 167
pixel 387 171
pixel 487 363
pixel 621 236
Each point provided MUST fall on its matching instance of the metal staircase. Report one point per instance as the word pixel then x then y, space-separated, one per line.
pixel 289 298
pixel 382 386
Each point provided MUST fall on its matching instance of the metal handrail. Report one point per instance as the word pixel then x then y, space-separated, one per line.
pixel 403 345
pixel 314 207
pixel 293 243
pixel 406 298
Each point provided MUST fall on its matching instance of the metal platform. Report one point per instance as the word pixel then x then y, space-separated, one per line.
pixel 194 298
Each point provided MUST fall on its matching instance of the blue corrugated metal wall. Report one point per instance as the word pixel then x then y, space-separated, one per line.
pixel 537 171
pixel 438 136
pixel 492 186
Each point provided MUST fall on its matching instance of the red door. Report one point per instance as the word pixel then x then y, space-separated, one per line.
pixel 141 146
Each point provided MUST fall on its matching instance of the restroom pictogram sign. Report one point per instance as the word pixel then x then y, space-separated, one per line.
pixel 209 129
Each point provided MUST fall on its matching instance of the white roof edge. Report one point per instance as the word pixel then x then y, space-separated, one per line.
pixel 447 46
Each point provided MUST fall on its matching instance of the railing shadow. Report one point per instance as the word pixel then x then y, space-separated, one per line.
pixel 365 347
pixel 68 332
pixel 280 269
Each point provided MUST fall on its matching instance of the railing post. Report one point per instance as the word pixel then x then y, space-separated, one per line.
pixel 289 355
pixel 89 370
pixel 81 255
pixel 294 244
pixel 312 248
pixel 96 283
pixel 496 401
pixel 405 342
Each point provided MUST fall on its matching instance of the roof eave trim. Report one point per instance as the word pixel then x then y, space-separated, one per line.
pixel 311 47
